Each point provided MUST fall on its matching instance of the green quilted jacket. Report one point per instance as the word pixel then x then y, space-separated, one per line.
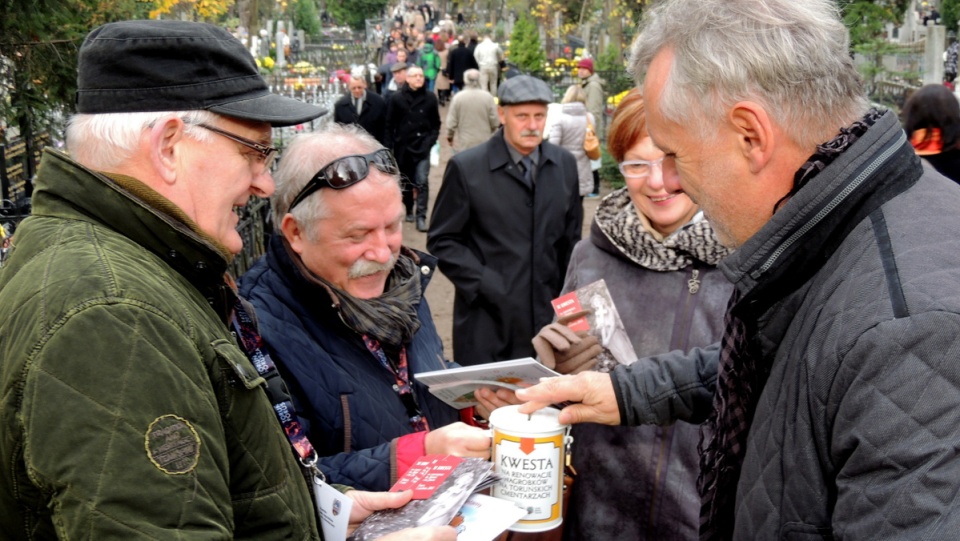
pixel 126 409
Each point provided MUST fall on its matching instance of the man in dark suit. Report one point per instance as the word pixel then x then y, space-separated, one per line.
pixel 413 126
pixel 459 60
pixel 365 109
pixel 504 224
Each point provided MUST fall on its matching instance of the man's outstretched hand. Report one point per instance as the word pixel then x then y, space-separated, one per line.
pixel 592 392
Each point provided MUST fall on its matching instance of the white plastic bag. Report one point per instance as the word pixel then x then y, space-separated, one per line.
pixel 435 154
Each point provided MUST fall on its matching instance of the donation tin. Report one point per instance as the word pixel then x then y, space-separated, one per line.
pixel 528 455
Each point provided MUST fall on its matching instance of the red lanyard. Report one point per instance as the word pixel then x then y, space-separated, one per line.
pixel 252 344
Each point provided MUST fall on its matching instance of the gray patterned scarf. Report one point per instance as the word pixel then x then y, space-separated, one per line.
pixel 620 222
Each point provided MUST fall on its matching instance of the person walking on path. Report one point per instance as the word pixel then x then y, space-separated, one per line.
pixel 363 108
pixel 488 55
pixel 443 81
pixel 460 60
pixel 413 126
pixel 593 89
pixel 429 62
pixel 503 227
pixel 569 131
pixel 472 117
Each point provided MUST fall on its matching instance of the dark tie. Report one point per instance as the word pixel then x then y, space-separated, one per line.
pixel 527 169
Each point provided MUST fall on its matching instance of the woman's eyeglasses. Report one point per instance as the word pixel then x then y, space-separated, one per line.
pixel 640 168
pixel 347 171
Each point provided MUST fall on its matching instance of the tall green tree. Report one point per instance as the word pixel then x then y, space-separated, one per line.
pixel 867 21
pixel 39 40
pixel 355 12
pixel 305 16
pixel 525 48
pixel 950 14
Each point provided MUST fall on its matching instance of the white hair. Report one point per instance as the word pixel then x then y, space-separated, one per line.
pixel 471 78
pixel 790 56
pixel 104 141
pixel 301 160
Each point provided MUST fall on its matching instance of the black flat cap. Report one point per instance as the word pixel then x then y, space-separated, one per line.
pixel 524 89
pixel 148 65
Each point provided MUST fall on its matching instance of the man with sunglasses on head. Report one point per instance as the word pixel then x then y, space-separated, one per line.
pixel 342 310
pixel 128 408
pixel 504 224
pixel 413 126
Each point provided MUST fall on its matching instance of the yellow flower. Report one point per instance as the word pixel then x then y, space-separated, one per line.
pixel 615 100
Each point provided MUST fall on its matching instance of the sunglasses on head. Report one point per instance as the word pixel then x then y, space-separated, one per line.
pixel 347 171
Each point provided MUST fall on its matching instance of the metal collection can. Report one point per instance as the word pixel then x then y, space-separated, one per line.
pixel 528 454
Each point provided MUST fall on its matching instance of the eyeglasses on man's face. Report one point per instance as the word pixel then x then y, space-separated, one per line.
pixel 263 155
pixel 641 168
pixel 347 171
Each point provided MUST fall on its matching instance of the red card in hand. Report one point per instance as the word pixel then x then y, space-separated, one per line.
pixel 412 476
pixel 438 473
pixel 570 304
pixel 426 475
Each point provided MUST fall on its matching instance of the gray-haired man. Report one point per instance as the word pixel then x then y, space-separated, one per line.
pixel 128 408
pixel 472 117
pixel 833 400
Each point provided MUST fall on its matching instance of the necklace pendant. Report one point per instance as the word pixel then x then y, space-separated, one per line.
pixel 693 284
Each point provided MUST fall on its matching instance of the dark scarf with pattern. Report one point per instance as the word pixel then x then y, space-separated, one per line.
pixel 742 376
pixel 390 318
pixel 619 221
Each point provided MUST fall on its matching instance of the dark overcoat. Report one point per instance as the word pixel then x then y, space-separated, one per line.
pixel 413 124
pixel 372 117
pixel 505 244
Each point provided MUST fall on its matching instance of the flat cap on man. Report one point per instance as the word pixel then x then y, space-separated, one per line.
pixel 397 66
pixel 147 66
pixel 524 89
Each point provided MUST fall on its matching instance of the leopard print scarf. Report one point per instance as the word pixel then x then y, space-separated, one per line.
pixel 632 234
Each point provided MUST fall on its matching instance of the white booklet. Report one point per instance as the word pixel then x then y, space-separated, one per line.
pixel 456 386
pixel 484 517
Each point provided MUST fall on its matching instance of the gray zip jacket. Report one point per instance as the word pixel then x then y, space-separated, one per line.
pixel 854 288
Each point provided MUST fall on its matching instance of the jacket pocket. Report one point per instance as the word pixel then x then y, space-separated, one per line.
pixel 241 370
pixel 250 425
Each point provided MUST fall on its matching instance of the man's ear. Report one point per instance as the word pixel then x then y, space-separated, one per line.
pixel 164 139
pixel 755 133
pixel 292 231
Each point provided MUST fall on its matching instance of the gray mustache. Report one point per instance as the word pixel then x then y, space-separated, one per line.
pixel 365 267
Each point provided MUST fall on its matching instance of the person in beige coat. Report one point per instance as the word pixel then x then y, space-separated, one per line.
pixel 442 84
pixel 472 117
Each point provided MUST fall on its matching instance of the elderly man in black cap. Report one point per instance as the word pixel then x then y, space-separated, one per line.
pixel 136 400
pixel 504 223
